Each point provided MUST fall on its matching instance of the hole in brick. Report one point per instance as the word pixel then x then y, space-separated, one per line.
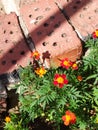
pixel 39 17
pixel 44 43
pixel 30 15
pixel 3 62
pixel 63 35
pixel 50 33
pixel 89 18
pixel 55 44
pixel 36 9
pixel 11 51
pixel 78 2
pixel 47 9
pixel 81 15
pixel 6 41
pixel 14 61
pixel 11 32
pixel 96 10
pixel 22 52
pixel 1 51
pixel 46 24
pixel 74 7
pixel 4 31
pixel 52 17
pixel 35 22
pixel 39 33
pixel 85 8
pixel 57 25
pixel 9 22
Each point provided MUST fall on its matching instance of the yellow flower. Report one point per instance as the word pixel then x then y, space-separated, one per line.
pixel 96 32
pixel 65 63
pixel 74 66
pixel 7 119
pixel 60 80
pixel 69 118
pixel 40 71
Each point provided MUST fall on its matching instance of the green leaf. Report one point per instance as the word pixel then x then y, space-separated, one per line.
pixel 92 76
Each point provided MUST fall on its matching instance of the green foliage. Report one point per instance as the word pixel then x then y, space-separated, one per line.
pixel 16 123
pixel 39 97
pixel 91 60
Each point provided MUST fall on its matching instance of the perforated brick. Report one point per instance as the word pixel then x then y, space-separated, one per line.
pixel 52 34
pixel 82 13
pixel 13 49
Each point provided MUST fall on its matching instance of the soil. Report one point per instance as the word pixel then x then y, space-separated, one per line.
pixel 2 117
pixel 37 125
pixel 40 125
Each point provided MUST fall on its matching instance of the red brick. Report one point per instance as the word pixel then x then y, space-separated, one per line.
pixel 13 49
pixel 50 30
pixel 83 14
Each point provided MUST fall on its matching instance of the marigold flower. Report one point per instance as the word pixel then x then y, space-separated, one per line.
pixel 60 80
pixel 95 34
pixel 79 78
pixel 74 66
pixel 7 119
pixel 40 71
pixel 35 55
pixel 65 63
pixel 69 118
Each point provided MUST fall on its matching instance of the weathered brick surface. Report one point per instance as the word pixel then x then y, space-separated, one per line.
pixel 24 2
pixel 13 49
pixel 82 13
pixel 50 30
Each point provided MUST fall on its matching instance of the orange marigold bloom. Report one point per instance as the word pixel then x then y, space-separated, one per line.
pixel 69 118
pixel 35 55
pixel 95 34
pixel 79 77
pixel 65 63
pixel 60 80
pixel 74 66
pixel 7 119
pixel 40 71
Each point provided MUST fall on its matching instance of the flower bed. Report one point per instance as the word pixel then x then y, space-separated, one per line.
pixel 65 95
